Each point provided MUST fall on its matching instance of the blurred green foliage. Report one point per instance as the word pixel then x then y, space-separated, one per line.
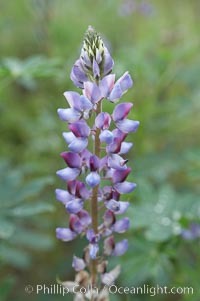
pixel 40 41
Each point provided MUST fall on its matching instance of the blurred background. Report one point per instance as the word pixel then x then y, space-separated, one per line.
pixel 158 42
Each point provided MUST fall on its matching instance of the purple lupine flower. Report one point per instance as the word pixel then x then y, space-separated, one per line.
pixel 93 155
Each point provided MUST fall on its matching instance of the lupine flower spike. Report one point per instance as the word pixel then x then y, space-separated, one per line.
pixel 86 196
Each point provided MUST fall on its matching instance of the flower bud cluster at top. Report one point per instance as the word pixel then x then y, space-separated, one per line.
pixel 96 178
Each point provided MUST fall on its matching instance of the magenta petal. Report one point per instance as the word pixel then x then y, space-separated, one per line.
pixel 73 160
pixel 107 84
pixel 68 174
pixel 125 147
pixel 95 68
pixel 78 263
pixel 127 125
pixel 81 191
pixel 78 145
pixel 94 163
pixel 106 136
pixel 63 195
pixel 75 224
pixel 121 225
pixel 92 92
pixel 120 248
pixel 120 175
pixel 103 120
pixel 93 179
pixel 73 99
pixel 74 206
pixel 125 187
pixel 121 111
pixel 116 93
pixel 65 234
pixel 80 128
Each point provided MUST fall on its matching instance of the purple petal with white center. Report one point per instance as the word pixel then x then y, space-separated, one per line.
pixel 63 196
pixel 121 111
pixel 109 218
pixel 109 245
pixel 116 206
pixel 69 115
pixel 93 179
pixel 106 136
pixel 65 234
pixel 108 62
pixel 68 174
pixel 125 82
pixel 120 175
pixel 117 162
pixel 103 120
pixel 78 145
pixel 121 225
pixel 69 137
pixel 85 218
pixel 85 104
pixel 95 68
pixel 125 187
pixel 80 128
pixel 73 160
pixel 107 84
pixel 74 206
pixel 92 92
pixel 78 263
pixel 125 147
pixel 73 99
pixel 127 125
pixel 93 250
pixel 75 224
pixel 94 163
pixel 120 248
pixel 116 93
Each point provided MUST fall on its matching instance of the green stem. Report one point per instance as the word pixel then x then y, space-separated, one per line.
pixel 94 200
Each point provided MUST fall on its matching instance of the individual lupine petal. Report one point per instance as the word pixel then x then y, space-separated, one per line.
pixel 109 218
pixel 125 147
pixel 63 195
pixel 75 80
pixel 125 187
pixel 106 136
pixel 80 128
pixel 125 82
pixel 85 218
pixel 120 248
pixel 116 145
pixel 93 250
pixel 116 93
pixel 69 115
pixel 120 175
pixel 121 111
pixel 103 120
pixel 94 163
pixel 78 145
pixel 90 235
pixel 116 206
pixel 78 75
pixel 78 263
pixel 127 125
pixel 69 137
pixel 75 224
pixel 73 99
pixel 74 206
pixel 95 68
pixel 65 234
pixel 109 278
pixel 107 62
pixel 68 174
pixel 103 162
pixel 85 104
pixel 109 245
pixel 92 92
pixel 73 160
pixel 71 185
pixel 121 225
pixel 81 191
pixel 85 58
pixel 116 162
pixel 93 179
pixel 106 85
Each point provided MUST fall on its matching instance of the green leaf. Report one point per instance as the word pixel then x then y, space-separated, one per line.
pixel 7 228
pixel 15 257
pixel 27 210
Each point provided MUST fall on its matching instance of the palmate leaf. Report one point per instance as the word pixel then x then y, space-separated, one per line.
pixel 27 210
